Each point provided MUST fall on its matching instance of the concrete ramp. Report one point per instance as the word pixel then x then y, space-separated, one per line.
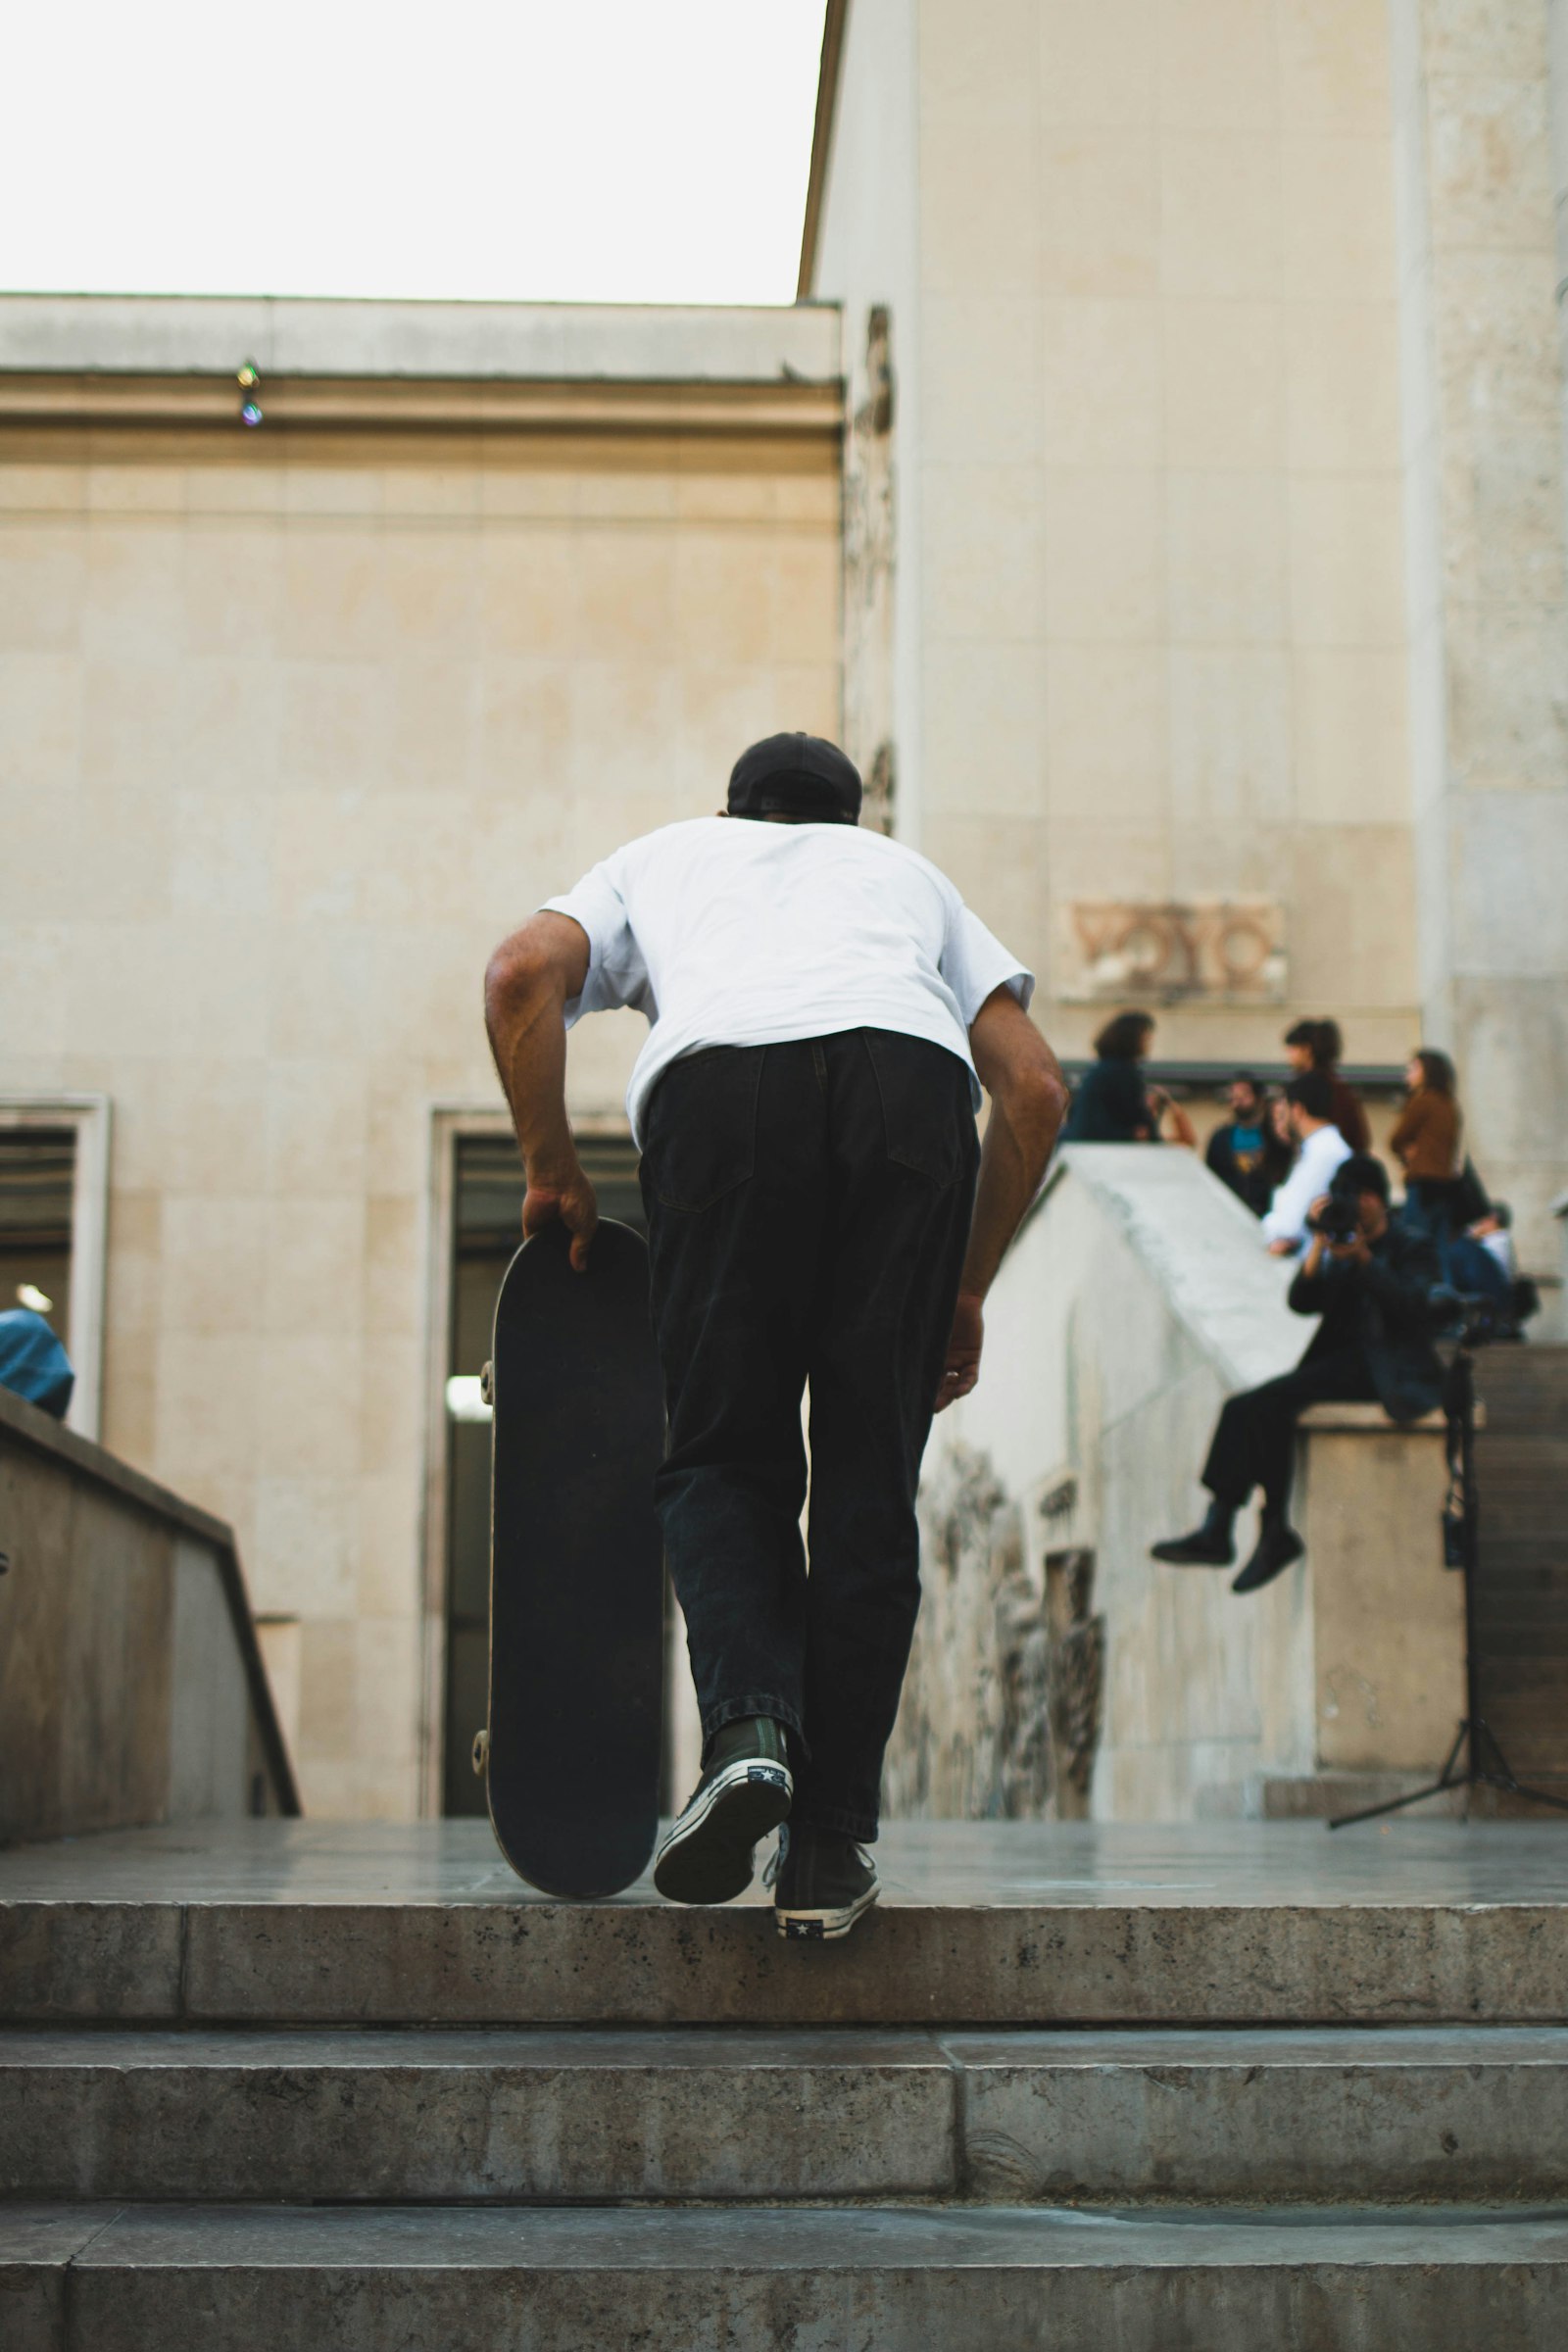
pixel 132 1685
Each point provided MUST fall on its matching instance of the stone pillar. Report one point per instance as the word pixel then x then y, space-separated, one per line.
pixel 1483 418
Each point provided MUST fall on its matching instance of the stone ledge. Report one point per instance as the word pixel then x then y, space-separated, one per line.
pixel 400 2280
pixel 1370 1420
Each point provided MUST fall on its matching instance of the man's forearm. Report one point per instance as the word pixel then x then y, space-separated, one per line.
pixel 1020 1136
pixel 524 1016
pixel 526 988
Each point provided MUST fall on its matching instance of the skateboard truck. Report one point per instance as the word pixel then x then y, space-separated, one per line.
pixel 482 1751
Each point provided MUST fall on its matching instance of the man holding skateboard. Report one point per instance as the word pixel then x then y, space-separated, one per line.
pixel 823 1010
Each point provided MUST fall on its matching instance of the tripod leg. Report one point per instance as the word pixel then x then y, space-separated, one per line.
pixel 1395 1804
pixel 1447 1778
pixel 1501 1776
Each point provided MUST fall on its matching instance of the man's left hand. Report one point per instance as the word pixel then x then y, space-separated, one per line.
pixel 1352 1252
pixel 562 1197
pixel 963 1367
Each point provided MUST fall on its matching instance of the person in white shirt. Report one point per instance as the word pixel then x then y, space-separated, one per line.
pixel 823 1009
pixel 1321 1149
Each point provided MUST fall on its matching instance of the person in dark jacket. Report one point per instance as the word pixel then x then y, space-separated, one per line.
pixel 1112 1104
pixel 1373 1291
pixel 1245 1154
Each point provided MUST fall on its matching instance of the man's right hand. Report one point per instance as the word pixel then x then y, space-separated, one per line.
pixel 564 1197
pixel 963 1367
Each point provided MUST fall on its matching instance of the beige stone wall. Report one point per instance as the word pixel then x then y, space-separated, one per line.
pixel 1153 522
pixel 1487 567
pixel 292 729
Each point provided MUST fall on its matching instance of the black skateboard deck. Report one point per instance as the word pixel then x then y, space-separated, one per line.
pixel 576 1566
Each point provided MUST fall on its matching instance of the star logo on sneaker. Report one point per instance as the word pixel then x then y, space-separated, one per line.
pixel 771 1776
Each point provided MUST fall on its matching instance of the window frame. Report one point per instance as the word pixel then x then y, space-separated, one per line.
pixel 89 1118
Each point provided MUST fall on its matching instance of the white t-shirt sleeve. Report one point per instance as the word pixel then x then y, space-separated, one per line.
pixel 975 964
pixel 617 976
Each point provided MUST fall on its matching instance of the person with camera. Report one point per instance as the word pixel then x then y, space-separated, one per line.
pixel 1370 1277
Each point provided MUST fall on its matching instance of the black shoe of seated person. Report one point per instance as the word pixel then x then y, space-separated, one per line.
pixel 1210 1546
pixel 822 1883
pixel 744 1790
pixel 1278 1544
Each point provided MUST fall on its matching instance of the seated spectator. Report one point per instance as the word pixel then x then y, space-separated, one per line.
pixel 32 1362
pixel 1318 1046
pixel 1247 1153
pixel 1370 1278
pixel 1112 1104
pixel 1427 1143
pixel 1482 1260
pixel 1322 1150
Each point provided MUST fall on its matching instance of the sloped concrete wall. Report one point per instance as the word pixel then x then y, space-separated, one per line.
pixel 131 1688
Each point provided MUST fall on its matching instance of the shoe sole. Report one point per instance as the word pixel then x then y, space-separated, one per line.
pixel 707 1856
pixel 1260 1584
pixel 823 1926
pixel 1192 1559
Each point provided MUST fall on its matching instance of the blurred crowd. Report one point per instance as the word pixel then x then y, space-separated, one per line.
pixel 1280 1147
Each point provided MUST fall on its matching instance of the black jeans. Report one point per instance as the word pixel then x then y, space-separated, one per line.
pixel 809 1208
pixel 1255 1444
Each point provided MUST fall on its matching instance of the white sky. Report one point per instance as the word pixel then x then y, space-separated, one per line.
pixel 530 150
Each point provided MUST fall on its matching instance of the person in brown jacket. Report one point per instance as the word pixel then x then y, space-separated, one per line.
pixel 1427 1143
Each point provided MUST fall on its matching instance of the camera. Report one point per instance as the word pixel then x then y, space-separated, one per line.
pixel 1339 1220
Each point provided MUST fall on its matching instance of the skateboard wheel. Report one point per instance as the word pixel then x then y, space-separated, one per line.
pixel 481 1744
pixel 487 1386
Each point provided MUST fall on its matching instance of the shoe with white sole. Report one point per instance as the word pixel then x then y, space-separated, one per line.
pixel 822 1882
pixel 745 1792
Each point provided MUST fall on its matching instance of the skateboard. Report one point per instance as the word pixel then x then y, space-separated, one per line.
pixel 571 1750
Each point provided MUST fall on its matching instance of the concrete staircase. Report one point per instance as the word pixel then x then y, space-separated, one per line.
pixel 1190 2089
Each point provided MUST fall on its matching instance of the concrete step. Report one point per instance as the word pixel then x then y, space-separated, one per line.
pixel 470 2280
pixel 553 2117
pixel 1114 2118
pixel 993 1924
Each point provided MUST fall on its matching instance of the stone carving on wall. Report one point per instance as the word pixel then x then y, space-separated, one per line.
pixel 868 573
pixel 1076 1678
pixel 1222 951
pixel 1002 1703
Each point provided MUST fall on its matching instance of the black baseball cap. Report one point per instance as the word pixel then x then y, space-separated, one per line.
pixel 1360 1173
pixel 801 776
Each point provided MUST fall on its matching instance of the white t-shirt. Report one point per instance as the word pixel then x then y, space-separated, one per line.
pixel 1323 1150
pixel 726 931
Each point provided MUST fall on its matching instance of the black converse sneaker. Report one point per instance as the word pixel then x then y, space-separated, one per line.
pixel 744 1793
pixel 821 1882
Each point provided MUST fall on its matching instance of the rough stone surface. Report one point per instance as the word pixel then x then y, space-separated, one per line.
pixel 901 2281
pixel 981 1924
pixel 1221 2115
pixel 1445 2113
pixel 37 2243
pixel 547 2117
